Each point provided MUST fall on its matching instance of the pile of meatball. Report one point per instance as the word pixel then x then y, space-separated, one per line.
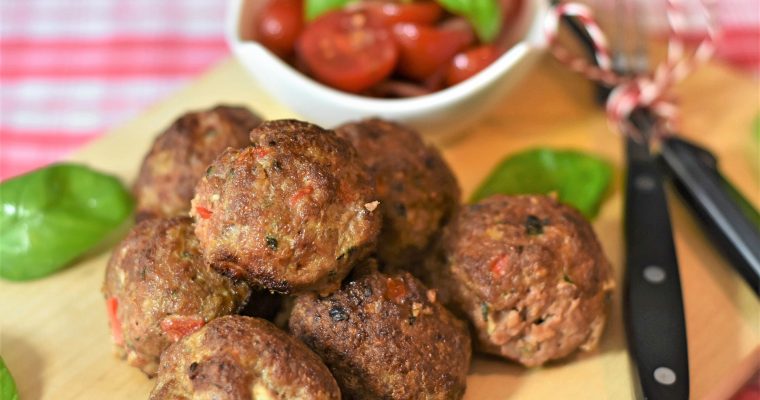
pixel 281 260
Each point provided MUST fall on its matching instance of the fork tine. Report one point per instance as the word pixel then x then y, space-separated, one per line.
pixel 629 40
pixel 619 57
pixel 641 40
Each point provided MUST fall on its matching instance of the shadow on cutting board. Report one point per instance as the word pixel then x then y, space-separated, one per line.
pixel 25 364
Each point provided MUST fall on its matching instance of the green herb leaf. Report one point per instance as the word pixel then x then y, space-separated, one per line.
pixel 315 8
pixel 7 386
pixel 484 15
pixel 53 215
pixel 579 179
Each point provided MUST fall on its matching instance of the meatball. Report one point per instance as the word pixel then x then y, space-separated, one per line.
pixel 417 191
pixel 180 155
pixel 291 213
pixel 158 288
pixel 242 358
pixel 529 274
pixel 386 337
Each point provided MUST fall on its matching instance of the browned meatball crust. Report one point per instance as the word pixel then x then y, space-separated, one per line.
pixel 291 213
pixel 180 155
pixel 418 193
pixel 530 275
pixel 158 288
pixel 242 358
pixel 386 337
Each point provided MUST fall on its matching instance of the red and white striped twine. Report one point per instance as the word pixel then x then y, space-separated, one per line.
pixel 630 92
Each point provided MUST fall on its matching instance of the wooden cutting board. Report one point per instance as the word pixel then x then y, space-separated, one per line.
pixel 54 335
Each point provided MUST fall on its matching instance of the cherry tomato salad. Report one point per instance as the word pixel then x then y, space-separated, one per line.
pixel 387 48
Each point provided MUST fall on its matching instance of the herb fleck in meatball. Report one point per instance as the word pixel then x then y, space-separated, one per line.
pixel 529 274
pixel 386 337
pixel 158 288
pixel 180 155
pixel 242 358
pixel 291 213
pixel 417 191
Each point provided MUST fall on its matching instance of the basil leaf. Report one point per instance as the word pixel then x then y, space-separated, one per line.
pixel 7 386
pixel 53 215
pixel 484 15
pixel 315 8
pixel 579 179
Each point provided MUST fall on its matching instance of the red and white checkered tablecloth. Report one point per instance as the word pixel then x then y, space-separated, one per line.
pixel 70 70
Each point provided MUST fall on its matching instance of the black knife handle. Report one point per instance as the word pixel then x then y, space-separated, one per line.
pixel 653 305
pixel 729 219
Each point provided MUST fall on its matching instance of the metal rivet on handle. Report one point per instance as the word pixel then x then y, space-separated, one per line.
pixel 654 274
pixel 665 376
pixel 644 182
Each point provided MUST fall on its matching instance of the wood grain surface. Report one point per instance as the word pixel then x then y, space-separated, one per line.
pixel 54 335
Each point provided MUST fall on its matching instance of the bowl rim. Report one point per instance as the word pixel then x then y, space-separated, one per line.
pixel 534 39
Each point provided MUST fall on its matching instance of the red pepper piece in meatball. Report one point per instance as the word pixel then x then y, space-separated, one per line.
pixel 529 274
pixel 242 358
pixel 158 289
pixel 180 155
pixel 291 213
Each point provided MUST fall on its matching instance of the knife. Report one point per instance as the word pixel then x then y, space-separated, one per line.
pixel 727 217
pixel 653 305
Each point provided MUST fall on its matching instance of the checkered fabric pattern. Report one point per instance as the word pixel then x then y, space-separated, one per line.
pixel 72 69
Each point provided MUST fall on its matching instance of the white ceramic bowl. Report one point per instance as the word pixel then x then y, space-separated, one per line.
pixel 440 115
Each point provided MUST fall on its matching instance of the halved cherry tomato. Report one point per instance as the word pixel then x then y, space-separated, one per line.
pixel 279 24
pixel 425 50
pixel 348 50
pixel 466 64
pixel 421 12
pixel 178 326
